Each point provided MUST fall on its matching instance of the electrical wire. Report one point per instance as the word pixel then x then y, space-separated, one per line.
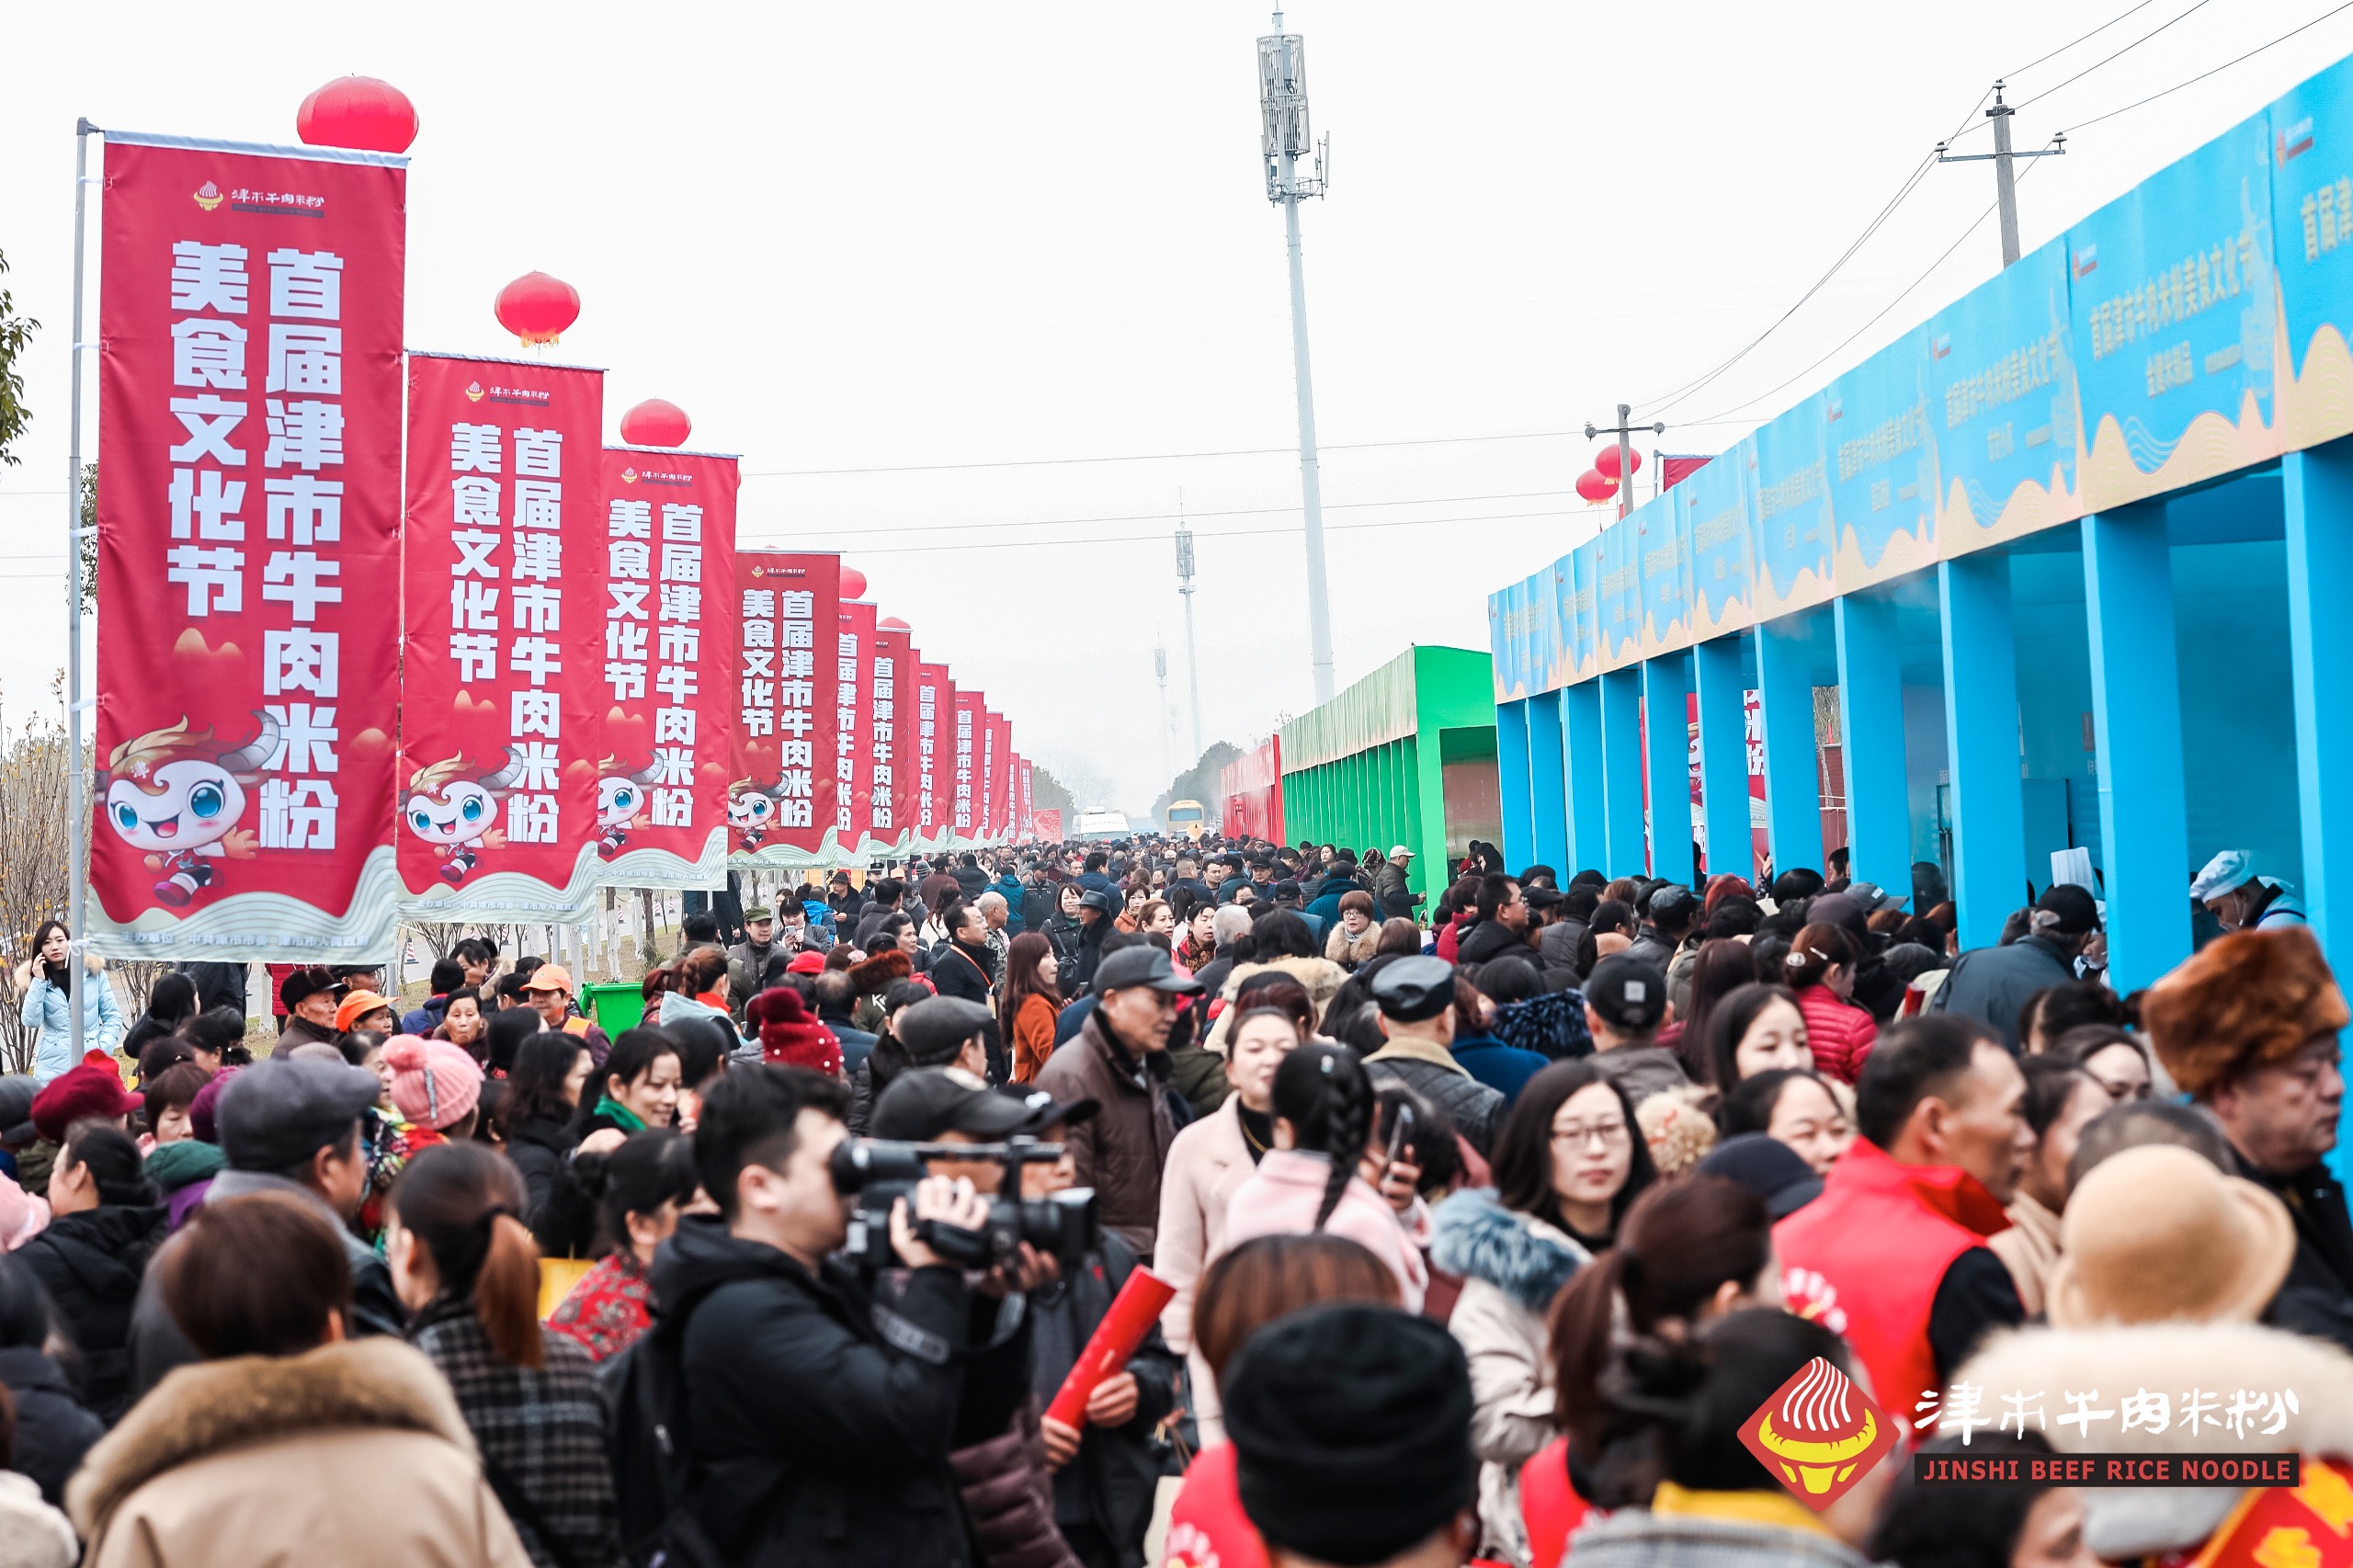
pixel 1906 293
pixel 1193 512
pixel 1658 405
pixel 2225 65
pixel 2063 48
pixel 1227 533
pixel 1155 456
pixel 2196 7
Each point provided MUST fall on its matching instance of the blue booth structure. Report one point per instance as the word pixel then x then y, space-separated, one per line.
pixel 2051 571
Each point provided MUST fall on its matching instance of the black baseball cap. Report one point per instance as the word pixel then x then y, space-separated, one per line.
pixel 1413 987
pixel 2076 910
pixel 1628 992
pixel 924 1102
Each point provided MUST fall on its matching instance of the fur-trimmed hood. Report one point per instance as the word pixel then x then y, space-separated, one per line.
pixel 875 974
pixel 202 1409
pixel 2173 1358
pixel 24 972
pixel 1320 978
pixel 1518 1253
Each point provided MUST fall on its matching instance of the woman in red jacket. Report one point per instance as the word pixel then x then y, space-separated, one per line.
pixel 1821 969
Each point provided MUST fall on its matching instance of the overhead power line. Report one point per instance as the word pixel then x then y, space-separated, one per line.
pixel 1162 539
pixel 2063 48
pixel 1187 513
pixel 2225 65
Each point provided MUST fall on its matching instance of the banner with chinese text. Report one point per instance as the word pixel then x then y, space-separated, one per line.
pixel 781 795
pixel 853 694
pixel 501 589
pixel 896 813
pixel 968 792
pixel 668 621
pixel 249 432
pixel 934 734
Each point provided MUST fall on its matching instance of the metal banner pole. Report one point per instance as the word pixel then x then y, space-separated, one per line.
pixel 77 852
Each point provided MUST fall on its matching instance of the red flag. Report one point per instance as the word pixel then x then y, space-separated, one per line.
pixel 780 801
pixel 503 586
pixel 934 736
pixel 996 761
pixel 970 783
pixel 249 430
pixel 896 813
pixel 852 690
pixel 669 626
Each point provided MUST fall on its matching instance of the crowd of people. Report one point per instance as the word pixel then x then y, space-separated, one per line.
pixel 1489 1218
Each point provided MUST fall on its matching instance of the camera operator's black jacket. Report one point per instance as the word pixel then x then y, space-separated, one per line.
pixel 823 1422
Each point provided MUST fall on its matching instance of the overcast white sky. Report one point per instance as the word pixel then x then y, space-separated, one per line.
pixel 888 237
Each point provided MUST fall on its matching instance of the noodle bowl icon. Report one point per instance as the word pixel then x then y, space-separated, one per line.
pixel 1818 1433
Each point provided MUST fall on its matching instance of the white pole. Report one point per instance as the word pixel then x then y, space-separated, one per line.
pixel 1311 485
pixel 77 850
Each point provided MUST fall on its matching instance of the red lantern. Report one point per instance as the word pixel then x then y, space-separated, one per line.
pixel 357 111
pixel 656 423
pixel 1594 487
pixel 1604 462
pixel 852 583
pixel 538 308
pixel 893 623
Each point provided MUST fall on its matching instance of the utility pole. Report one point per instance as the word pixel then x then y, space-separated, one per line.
pixel 1192 649
pixel 1160 669
pixel 1283 140
pixel 2005 185
pixel 1624 431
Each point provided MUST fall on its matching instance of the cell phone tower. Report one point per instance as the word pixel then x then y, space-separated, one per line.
pixel 1192 649
pixel 1167 722
pixel 1284 140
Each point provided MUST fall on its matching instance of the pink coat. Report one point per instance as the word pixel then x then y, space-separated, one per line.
pixel 1282 1197
pixel 1840 1034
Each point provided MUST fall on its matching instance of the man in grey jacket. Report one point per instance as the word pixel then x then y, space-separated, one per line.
pixel 1992 985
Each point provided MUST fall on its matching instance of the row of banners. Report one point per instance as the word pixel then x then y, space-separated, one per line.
pixel 2195 326
pixel 335 696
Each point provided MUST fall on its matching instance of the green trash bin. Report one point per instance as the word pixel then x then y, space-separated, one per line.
pixel 615 1006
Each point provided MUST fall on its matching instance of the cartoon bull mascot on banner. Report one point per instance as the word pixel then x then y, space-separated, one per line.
pixel 455 809
pixel 752 811
pixel 620 804
pixel 179 796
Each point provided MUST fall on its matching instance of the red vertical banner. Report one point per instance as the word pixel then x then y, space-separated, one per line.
pixel 501 589
pixel 894 815
pixel 780 803
pixel 668 624
pixel 993 757
pixel 1023 828
pixel 249 433
pixel 935 767
pixel 852 691
pixel 969 815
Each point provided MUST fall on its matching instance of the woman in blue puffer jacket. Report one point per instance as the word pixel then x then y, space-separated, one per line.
pixel 44 1000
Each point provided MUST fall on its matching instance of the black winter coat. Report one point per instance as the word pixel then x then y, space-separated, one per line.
pixel 817 1438
pixel 562 1220
pixel 91 1264
pixel 1111 1481
pixel 53 1431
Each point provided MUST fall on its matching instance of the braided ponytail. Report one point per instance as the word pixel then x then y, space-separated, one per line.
pixel 1323 1092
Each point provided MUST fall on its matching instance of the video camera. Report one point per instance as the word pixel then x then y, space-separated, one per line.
pixel 877 1172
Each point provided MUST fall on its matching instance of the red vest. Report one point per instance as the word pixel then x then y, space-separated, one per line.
pixel 1865 1259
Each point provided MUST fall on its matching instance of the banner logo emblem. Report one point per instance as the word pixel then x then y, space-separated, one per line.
pixel 208 196
pixel 474 392
pixel 1818 1433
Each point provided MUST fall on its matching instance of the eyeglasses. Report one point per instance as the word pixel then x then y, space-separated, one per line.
pixel 1577 1136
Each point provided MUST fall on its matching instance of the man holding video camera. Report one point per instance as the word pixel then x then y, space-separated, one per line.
pixel 1040 1478
pixel 819 1403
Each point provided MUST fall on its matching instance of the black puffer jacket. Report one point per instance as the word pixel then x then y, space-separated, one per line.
pixel 53 1431
pixel 1009 1493
pixel 818 1418
pixel 90 1264
pixel 562 1220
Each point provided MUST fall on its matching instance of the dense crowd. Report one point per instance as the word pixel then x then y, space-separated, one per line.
pixel 1487 1220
